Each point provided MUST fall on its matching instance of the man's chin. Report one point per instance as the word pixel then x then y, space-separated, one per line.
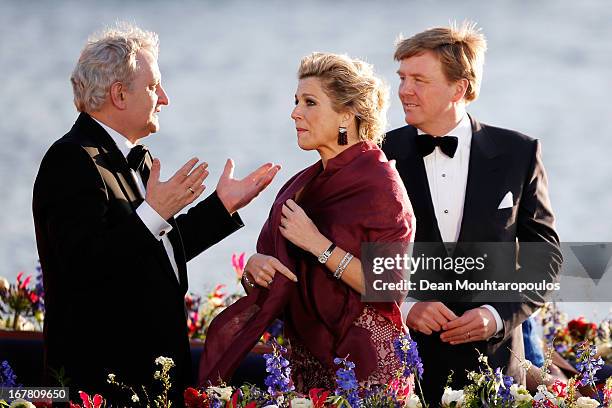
pixel 410 119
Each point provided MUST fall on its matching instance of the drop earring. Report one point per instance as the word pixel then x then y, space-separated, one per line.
pixel 342 136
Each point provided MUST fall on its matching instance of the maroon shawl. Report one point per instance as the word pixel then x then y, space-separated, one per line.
pixel 359 197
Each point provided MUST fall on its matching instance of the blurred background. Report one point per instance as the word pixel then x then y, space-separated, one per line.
pixel 230 71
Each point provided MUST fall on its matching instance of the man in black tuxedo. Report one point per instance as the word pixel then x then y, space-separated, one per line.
pixel 112 252
pixel 468 182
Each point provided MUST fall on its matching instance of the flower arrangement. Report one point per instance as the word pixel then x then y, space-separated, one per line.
pixel 566 335
pixel 488 387
pixel 22 306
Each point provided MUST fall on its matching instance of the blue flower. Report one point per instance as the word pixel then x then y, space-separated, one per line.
pixel 505 382
pixel 346 381
pixel 587 364
pixel 408 353
pixel 7 376
pixel 279 377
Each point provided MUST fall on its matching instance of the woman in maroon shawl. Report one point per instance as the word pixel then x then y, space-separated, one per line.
pixel 313 239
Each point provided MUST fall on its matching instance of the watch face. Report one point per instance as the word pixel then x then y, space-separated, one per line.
pixel 322 259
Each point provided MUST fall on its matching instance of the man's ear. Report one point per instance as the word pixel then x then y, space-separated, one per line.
pixel 461 87
pixel 117 95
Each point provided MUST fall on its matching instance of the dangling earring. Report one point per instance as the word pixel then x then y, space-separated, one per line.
pixel 342 136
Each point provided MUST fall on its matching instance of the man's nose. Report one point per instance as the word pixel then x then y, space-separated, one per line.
pixel 406 88
pixel 162 96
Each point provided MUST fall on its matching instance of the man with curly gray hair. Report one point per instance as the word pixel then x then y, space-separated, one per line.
pixel 112 252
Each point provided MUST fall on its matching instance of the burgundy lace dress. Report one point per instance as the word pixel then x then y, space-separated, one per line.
pixel 307 372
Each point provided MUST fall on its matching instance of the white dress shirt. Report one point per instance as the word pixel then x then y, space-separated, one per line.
pixel 447 178
pixel 149 217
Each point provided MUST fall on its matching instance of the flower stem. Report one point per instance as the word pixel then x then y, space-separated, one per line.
pixel 16 320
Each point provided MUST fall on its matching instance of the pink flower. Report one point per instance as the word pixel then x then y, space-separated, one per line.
pixel 318 396
pixel 26 282
pixel 238 264
pixel 559 388
pixel 403 387
pixel 87 401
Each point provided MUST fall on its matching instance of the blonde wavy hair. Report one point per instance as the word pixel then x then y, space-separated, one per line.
pixel 109 57
pixel 351 85
pixel 461 51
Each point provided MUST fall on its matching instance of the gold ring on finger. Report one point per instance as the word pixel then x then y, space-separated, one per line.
pixel 468 335
pixel 191 189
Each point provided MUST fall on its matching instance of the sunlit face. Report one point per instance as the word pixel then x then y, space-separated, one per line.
pixel 426 95
pixel 315 121
pixel 145 97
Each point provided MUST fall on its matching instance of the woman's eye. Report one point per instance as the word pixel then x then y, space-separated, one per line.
pixel 310 102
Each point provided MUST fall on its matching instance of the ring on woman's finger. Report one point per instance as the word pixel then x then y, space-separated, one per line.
pixel 190 189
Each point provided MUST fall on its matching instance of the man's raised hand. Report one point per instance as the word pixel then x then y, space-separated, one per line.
pixel 235 194
pixel 169 197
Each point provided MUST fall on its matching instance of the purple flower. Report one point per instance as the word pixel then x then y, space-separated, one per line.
pixel 279 377
pixel 7 376
pixel 587 364
pixel 505 382
pixel 276 328
pixel 408 353
pixel 346 381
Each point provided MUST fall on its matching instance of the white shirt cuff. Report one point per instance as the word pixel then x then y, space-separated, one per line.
pixel 405 309
pixel 498 321
pixel 154 222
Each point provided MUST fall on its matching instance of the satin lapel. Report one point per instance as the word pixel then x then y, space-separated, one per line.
pixel 175 240
pixel 412 171
pixel 111 163
pixel 482 180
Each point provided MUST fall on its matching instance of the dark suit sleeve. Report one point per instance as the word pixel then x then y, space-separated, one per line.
pixel 206 224
pixel 542 260
pixel 75 222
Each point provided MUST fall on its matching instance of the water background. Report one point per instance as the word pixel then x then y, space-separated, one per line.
pixel 229 68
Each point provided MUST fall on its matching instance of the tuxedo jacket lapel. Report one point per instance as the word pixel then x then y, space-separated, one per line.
pixel 111 163
pixel 482 182
pixel 117 175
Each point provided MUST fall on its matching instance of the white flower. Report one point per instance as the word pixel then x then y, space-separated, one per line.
pixel 271 406
pixel 525 365
pixel 450 396
pixel 543 394
pixel 157 375
pixel 111 378
pixel 223 393
pixel 413 402
pixel 165 362
pixel 4 284
pixel 20 403
pixel 519 393
pixel 586 402
pixel 135 398
pixel 301 403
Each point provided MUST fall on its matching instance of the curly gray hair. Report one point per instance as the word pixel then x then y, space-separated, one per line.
pixel 109 57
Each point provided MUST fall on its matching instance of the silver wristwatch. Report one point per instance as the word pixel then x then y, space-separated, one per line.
pixel 325 255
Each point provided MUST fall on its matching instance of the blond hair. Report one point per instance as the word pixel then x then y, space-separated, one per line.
pixel 460 50
pixel 109 57
pixel 352 86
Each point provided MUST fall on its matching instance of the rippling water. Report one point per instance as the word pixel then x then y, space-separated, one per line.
pixel 229 68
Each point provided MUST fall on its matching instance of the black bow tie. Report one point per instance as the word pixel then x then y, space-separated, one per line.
pixel 136 156
pixel 427 143
pixel 136 161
